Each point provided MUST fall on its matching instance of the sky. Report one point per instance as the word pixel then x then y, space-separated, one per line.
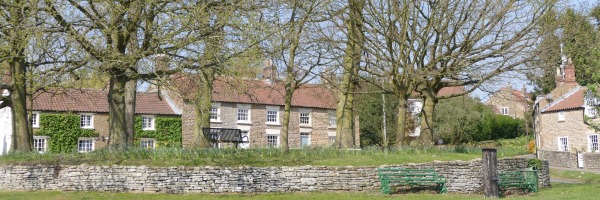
pixel 517 81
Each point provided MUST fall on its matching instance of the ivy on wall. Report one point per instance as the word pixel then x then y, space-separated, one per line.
pixel 167 131
pixel 63 130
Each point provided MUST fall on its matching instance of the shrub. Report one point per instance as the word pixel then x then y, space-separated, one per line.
pixel 531 146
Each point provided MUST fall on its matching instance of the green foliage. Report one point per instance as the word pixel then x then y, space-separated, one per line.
pixel 495 127
pixel 63 130
pixel 371 118
pixel 534 163
pixel 457 119
pixel 167 132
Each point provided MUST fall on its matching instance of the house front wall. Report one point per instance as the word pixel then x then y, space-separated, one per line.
pixel 572 127
pixel 504 98
pixel 318 130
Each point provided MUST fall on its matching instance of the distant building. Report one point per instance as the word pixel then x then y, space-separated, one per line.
pixel 510 102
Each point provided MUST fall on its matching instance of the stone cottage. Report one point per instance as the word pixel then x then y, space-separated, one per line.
pixel 510 102
pixel 563 123
pixel 91 105
pixel 256 108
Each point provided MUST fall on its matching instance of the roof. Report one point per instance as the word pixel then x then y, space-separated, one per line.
pixel 452 90
pixel 260 92
pixel 95 101
pixel 571 100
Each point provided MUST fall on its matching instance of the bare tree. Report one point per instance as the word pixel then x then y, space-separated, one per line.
pixel 436 44
pixel 118 34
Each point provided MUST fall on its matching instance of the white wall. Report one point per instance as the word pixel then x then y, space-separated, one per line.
pixel 5 130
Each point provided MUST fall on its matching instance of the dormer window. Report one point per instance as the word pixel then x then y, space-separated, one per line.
pixel 590 106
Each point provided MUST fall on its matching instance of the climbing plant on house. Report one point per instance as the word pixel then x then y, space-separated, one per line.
pixel 63 131
pixel 167 131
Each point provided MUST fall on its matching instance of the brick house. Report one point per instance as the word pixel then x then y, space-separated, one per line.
pixel 562 119
pixel 510 102
pixel 92 107
pixel 256 108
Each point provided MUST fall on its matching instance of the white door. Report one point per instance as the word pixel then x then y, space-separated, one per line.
pixel 246 140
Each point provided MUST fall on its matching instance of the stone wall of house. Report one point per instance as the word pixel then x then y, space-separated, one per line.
pixel 258 128
pixel 504 98
pixel 572 127
pixel 462 177
pixel 569 159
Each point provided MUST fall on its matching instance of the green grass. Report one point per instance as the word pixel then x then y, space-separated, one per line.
pixel 266 157
pixel 583 177
pixel 558 192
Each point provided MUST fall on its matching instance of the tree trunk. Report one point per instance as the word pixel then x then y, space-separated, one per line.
pixel 427 131
pixel 116 114
pixel 401 122
pixel 130 96
pixel 22 140
pixel 345 137
pixel 203 105
pixel 285 129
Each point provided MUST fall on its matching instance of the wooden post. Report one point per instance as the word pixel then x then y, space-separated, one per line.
pixel 490 173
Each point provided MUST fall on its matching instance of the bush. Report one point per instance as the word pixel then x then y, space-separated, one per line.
pixel 531 146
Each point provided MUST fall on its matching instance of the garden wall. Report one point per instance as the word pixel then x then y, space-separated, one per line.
pixel 463 177
pixel 569 159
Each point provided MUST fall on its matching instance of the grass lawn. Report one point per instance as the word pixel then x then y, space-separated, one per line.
pixel 267 157
pixel 584 177
pixel 558 192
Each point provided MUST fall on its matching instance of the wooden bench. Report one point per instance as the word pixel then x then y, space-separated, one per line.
pixel 516 179
pixel 398 176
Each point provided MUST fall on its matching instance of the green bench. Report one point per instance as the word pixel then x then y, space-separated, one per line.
pixel 398 176
pixel 516 179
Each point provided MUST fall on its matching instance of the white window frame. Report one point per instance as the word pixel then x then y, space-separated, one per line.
pixel 505 111
pixel 590 109
pixel 44 148
pixel 35 119
pixel 217 107
pixel 91 125
pixel 152 122
pixel 561 116
pixel 247 108
pixel 563 144
pixel 277 138
pixel 302 119
pixel 276 110
pixel 331 116
pixel 153 140
pixel 79 148
pixel 593 145
pixel 307 134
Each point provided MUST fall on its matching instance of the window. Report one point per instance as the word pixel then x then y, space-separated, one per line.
pixel 215 112
pixel 35 119
pixel 505 110
pixel 147 122
pixel 245 140
pixel 304 140
pixel 332 119
pixel 331 139
pixel 40 143
pixel 593 143
pixel 272 115
pixel 273 140
pixel 148 143
pixel 85 145
pixel 305 118
pixel 243 114
pixel 87 120
pixel 590 111
pixel 561 116
pixel 563 144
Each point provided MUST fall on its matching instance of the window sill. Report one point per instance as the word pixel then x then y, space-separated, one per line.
pixel 273 123
pixel 216 121
pixel 305 125
pixel 331 127
pixel 87 127
pixel 149 129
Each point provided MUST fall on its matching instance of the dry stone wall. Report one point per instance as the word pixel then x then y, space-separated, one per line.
pixel 463 177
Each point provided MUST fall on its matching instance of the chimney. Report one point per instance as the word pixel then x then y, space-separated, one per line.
pixel 569 72
pixel 269 71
